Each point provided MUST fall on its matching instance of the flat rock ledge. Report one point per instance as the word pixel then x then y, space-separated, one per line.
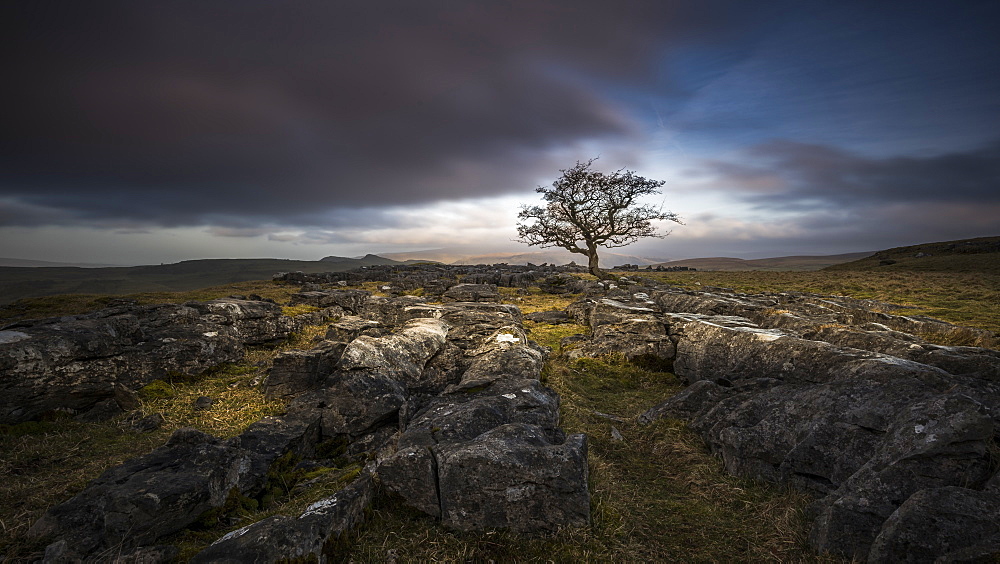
pixel 438 404
pixel 894 435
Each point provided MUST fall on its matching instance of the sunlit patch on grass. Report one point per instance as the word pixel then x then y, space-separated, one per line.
pixel 962 298
pixel 299 309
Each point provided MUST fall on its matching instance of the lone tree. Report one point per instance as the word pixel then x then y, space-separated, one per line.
pixel 587 209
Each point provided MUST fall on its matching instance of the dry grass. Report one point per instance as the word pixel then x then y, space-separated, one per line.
pixel 45 463
pixel 237 402
pixel 962 298
pixel 657 495
pixel 74 304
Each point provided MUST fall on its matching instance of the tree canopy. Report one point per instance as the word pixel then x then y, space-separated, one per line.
pixel 586 209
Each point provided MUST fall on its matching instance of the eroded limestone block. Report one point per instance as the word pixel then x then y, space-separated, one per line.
pixel 514 477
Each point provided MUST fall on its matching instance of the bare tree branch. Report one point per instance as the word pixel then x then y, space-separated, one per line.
pixel 586 209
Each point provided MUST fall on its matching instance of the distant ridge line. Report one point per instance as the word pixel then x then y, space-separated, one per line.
pixel 788 263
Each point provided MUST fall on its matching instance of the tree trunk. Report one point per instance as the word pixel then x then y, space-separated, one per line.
pixel 593 262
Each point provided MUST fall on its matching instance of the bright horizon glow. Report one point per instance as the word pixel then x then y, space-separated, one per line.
pixel 789 129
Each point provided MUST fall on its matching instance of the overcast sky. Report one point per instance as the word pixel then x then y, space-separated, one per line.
pixel 147 132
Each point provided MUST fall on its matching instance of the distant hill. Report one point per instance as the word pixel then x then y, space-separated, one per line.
pixel 791 263
pixel 45 263
pixel 367 260
pixel 462 255
pixel 26 282
pixel 981 254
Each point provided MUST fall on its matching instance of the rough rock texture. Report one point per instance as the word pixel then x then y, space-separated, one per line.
pixel 74 363
pixel 488 452
pixel 352 403
pixel 435 279
pixel 294 372
pixel 932 444
pixel 402 355
pixel 444 403
pixel 348 328
pixel 949 524
pixel 472 293
pixel 819 392
pixel 146 498
pixel 350 301
pixel 149 497
pixel 310 535
pixel 466 413
pixel 563 284
pixel 633 330
pixel 514 476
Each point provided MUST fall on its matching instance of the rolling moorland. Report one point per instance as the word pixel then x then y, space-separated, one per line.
pixel 657 493
pixel 937 279
pixel 24 282
pixel 26 279
pixel 791 263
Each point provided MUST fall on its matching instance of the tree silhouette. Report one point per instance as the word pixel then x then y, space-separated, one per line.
pixel 586 209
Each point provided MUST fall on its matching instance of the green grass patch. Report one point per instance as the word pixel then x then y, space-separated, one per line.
pixel 75 304
pixel 537 300
pixel 300 309
pixel 963 298
pixel 551 335
pixel 156 390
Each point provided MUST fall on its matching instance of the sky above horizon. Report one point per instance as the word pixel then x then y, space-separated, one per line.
pixel 141 132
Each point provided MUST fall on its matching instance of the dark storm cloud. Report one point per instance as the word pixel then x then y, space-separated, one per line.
pixel 273 112
pixel 788 175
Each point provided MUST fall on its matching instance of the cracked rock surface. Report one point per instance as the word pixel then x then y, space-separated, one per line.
pixel 72 364
pixel 825 394
pixel 443 406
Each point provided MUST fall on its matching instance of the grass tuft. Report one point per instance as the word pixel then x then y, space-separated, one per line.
pixel 300 309
pixel 962 298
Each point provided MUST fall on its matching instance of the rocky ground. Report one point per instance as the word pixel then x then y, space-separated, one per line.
pixel 829 396
pixel 438 401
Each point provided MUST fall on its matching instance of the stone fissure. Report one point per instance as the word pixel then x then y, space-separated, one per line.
pixel 822 397
pixel 891 433
pixel 458 381
pixel 437 478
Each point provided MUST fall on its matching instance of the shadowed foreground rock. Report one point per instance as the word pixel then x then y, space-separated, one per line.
pixel 72 364
pixel 441 404
pixel 514 476
pixel 949 524
pixel 824 394
pixel 310 535
pixel 455 385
